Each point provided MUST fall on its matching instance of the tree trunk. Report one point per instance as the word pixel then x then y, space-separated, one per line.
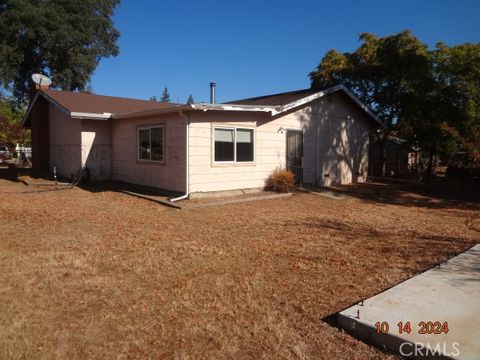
pixel 417 165
pixel 383 156
pixel 429 166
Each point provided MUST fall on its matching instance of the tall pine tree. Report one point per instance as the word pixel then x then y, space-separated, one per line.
pixel 165 95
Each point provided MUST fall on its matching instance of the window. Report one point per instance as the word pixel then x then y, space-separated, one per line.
pixel 224 141
pixel 244 145
pixel 150 143
pixel 233 145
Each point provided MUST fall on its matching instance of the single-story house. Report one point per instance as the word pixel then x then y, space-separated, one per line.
pixel 322 136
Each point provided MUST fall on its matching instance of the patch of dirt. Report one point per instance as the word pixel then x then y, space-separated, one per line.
pixel 101 274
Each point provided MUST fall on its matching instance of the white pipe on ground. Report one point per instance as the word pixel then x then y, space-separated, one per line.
pixel 187 122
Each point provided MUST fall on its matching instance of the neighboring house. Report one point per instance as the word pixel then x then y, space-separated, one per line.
pixel 400 158
pixel 322 136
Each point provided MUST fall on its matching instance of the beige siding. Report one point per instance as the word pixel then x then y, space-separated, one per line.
pixel 170 174
pixel 65 143
pixel 97 148
pixel 339 156
pixel 75 143
pixel 343 140
pixel 269 147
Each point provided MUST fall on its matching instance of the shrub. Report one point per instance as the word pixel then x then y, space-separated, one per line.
pixel 280 181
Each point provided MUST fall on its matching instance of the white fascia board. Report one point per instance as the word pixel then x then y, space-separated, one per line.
pixel 320 94
pixel 50 99
pixel 93 116
pixel 273 110
pixel 55 103
pixel 307 99
pixel 232 107
pixel 362 105
pixel 29 110
pixel 198 107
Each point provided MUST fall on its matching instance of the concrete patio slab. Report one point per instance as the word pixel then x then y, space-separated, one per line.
pixel 184 204
pixel 236 200
pixel 447 294
pixel 331 194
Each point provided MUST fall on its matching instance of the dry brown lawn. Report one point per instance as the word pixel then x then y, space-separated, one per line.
pixel 99 274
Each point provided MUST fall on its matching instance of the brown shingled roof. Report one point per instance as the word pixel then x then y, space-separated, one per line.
pixel 92 103
pixel 275 99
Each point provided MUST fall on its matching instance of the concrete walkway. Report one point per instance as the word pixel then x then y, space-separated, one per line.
pixel 325 192
pixel 448 293
pixel 184 204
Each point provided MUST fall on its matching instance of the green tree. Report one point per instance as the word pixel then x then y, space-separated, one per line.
pixel 190 100
pixel 10 130
pixel 457 71
pixel 63 39
pixel 381 72
pixel 408 86
pixel 165 95
pixel 153 98
pixel 445 121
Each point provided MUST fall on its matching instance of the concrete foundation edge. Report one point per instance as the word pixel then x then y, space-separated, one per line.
pixel 387 342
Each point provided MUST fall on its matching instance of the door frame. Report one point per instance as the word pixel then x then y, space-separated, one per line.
pixel 299 131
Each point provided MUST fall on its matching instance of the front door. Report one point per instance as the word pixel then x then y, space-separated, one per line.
pixel 295 154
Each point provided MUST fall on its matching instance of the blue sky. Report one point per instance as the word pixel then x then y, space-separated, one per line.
pixel 257 47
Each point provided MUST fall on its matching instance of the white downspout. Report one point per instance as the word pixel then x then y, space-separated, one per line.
pixel 187 122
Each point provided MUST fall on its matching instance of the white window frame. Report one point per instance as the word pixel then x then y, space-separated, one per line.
pixel 150 127
pixel 234 128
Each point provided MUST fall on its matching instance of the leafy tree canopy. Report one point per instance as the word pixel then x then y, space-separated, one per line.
pixel 430 96
pixel 382 72
pixel 457 70
pixel 10 130
pixel 62 39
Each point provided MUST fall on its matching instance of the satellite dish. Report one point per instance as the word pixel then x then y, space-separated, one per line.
pixel 41 79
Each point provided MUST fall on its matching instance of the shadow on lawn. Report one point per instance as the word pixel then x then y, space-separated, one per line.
pixel 441 193
pixel 466 270
pixel 359 230
pixel 8 173
pixel 117 186
pixel 13 174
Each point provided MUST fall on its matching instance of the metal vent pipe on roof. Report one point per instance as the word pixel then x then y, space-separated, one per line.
pixel 212 92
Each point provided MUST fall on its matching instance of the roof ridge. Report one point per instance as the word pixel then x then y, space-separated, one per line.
pixel 270 95
pixel 46 91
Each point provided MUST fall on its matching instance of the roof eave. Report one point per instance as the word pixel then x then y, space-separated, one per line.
pixel 29 110
pixel 72 114
pixel 47 97
pixel 233 107
pixel 273 110
pixel 363 106
pixel 195 107
pixel 318 95
pixel 92 116
pixel 146 113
